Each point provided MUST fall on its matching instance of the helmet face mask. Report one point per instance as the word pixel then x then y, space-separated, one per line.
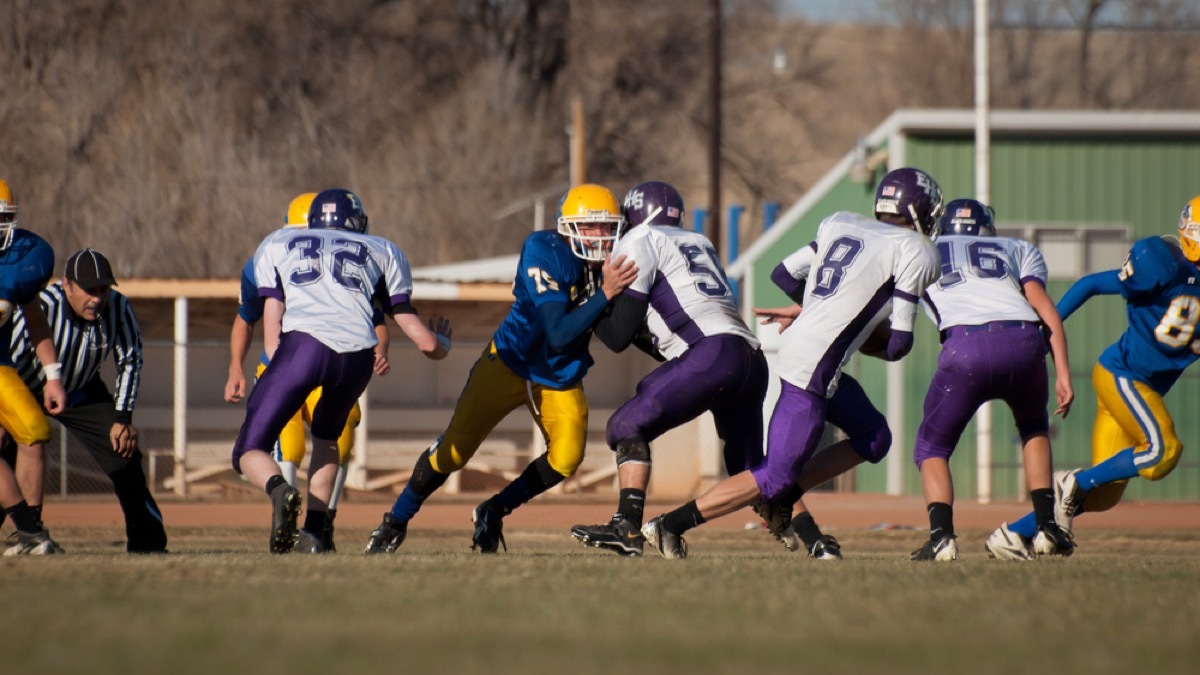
pixel 1189 230
pixel 337 209
pixel 967 216
pixel 8 215
pixel 591 220
pixel 913 196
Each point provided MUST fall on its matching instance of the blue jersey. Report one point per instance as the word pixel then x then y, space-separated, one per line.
pixel 547 272
pixel 1161 289
pixel 25 267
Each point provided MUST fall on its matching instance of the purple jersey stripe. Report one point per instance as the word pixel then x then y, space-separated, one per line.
pixel 831 361
pixel 664 301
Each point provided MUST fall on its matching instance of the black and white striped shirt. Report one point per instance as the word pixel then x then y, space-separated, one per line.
pixel 82 345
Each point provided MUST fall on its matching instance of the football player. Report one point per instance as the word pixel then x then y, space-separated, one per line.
pixel 856 273
pixel 989 305
pixel 1133 434
pixel 321 284
pixel 712 360
pixel 536 358
pixel 290 447
pixel 26 265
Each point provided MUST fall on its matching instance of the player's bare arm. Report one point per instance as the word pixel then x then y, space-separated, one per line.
pixel 1064 393
pixel 239 346
pixel 782 316
pixel 54 396
pixel 433 340
pixel 382 366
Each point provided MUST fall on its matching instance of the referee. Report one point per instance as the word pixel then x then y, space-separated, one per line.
pixel 88 321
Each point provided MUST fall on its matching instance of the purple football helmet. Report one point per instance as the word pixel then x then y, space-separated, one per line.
pixel 337 209
pixel 968 216
pixel 653 203
pixel 913 195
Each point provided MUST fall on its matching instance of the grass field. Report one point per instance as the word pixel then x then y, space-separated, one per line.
pixel 1128 602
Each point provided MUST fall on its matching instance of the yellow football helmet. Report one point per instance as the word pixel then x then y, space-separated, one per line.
pixel 8 215
pixel 1189 230
pixel 297 213
pixel 595 208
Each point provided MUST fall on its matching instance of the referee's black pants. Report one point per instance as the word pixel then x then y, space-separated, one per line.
pixel 89 417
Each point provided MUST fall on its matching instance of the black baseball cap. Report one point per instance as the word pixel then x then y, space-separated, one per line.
pixel 89 268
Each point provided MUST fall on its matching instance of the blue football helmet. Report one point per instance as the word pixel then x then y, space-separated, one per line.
pixel 968 216
pixel 337 209
pixel 914 196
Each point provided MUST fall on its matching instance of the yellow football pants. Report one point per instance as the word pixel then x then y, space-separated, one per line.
pixel 291 448
pixel 1130 414
pixel 491 393
pixel 21 414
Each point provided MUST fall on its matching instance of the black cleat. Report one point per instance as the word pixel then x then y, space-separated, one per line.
pixel 826 548
pixel 388 536
pixel 285 506
pixel 618 535
pixel 489 528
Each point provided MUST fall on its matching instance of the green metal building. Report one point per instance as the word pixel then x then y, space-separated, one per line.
pixel 1083 186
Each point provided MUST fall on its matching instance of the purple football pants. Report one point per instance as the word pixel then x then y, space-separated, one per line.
pixel 301 364
pixel 720 373
pixel 798 422
pixel 1004 360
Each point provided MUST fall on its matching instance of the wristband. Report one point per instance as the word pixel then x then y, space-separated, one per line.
pixel 52 371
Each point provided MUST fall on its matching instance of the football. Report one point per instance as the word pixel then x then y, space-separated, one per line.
pixel 877 341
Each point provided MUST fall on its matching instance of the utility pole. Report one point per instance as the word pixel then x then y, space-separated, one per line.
pixel 714 139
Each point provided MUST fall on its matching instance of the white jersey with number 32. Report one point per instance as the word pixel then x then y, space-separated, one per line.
pixel 858 271
pixel 327 280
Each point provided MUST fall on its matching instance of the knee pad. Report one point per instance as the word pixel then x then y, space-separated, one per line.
pixel 633 449
pixel 873 447
pixel 1171 450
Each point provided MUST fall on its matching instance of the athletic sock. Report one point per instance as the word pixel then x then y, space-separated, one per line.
pixel 941 520
pixel 683 519
pixel 1043 506
pixel 274 482
pixel 538 477
pixel 423 482
pixel 806 528
pixel 314 521
pixel 631 505
pixel 23 517
pixel 1118 467
pixel 1026 526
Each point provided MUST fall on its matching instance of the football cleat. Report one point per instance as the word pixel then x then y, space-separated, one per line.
pixel 942 549
pixel 826 548
pixel 1053 540
pixel 307 542
pixel 285 510
pixel 779 522
pixel 618 535
pixel 33 543
pixel 388 536
pixel 1004 544
pixel 671 546
pixel 1068 497
pixel 489 528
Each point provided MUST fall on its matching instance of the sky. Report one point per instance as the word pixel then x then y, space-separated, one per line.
pixel 834 10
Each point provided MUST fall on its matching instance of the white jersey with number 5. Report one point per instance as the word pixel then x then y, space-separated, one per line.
pixel 327 280
pixel 685 286
pixel 858 271
pixel 982 280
